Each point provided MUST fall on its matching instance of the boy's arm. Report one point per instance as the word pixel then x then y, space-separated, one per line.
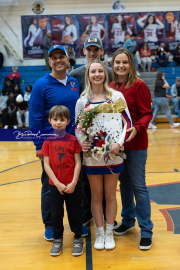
pixel 61 187
pixel 70 187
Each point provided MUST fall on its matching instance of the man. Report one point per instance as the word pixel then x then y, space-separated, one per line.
pixel 175 94
pixel 93 49
pixel 53 89
pixel 47 43
pixel 131 45
pixel 162 53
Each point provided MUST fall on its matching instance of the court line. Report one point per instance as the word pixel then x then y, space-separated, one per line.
pixel 89 265
pixel 19 166
pixel 19 181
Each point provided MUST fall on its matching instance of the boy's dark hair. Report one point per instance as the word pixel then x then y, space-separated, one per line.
pixel 10 92
pixel 59 111
pixel 133 35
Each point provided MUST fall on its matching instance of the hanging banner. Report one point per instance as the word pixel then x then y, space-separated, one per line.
pixel 113 29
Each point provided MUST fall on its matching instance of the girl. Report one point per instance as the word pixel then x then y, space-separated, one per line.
pixel 27 93
pixel 175 26
pixel 17 91
pixel 69 30
pixel 32 33
pixel 160 100
pixel 95 28
pixel 119 29
pixel 145 54
pixel 176 55
pixel 97 92
pixel 132 179
pixel 150 27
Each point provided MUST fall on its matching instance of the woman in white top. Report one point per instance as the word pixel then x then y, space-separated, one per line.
pixel 95 28
pixel 69 35
pixel 175 26
pixel 119 29
pixel 150 27
pixel 101 176
pixel 32 33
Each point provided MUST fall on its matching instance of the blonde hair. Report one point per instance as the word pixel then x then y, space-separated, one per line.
pixel 88 90
pixel 132 77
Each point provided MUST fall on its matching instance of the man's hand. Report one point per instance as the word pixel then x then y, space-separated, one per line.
pixel 168 96
pixel 133 133
pixel 61 187
pixel 70 188
pixel 38 154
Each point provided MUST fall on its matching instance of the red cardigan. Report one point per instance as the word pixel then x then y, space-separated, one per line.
pixel 138 99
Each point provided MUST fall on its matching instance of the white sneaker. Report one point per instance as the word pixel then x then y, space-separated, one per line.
pixel 15 127
pixel 6 127
pixel 152 126
pixel 174 125
pixel 137 72
pixel 109 241
pixel 99 242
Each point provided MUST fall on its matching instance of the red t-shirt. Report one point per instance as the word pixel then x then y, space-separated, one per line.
pixel 145 55
pixel 138 99
pixel 61 157
pixel 14 74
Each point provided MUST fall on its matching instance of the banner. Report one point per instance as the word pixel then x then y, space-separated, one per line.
pixel 113 29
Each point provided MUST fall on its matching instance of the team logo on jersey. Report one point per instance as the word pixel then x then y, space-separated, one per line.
pixel 72 83
pixel 38 7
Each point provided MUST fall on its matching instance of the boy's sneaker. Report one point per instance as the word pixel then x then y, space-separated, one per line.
pixel 145 243
pixel 174 125
pixel 15 127
pixel 122 229
pixel 99 242
pixel 78 247
pixel 152 126
pixel 57 247
pixel 109 241
pixel 6 127
pixel 49 234
pixel 84 232
pixel 20 126
pixel 87 220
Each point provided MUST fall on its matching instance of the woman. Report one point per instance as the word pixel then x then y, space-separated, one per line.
pixel 145 54
pixel 27 94
pixel 175 26
pixel 119 29
pixel 97 92
pixel 95 28
pixel 150 27
pixel 32 33
pixel 176 55
pixel 132 179
pixel 69 31
pixel 160 100
pixel 17 90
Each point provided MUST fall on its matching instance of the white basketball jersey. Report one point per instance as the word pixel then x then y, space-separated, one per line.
pixel 177 27
pixel 96 30
pixel 150 33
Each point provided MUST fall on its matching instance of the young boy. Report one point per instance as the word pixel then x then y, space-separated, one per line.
pixel 63 164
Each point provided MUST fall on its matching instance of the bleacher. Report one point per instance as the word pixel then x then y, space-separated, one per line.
pixel 29 75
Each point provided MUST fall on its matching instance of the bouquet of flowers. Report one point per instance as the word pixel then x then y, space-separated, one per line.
pixel 100 141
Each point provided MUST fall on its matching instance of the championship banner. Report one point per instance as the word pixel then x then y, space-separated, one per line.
pixel 71 31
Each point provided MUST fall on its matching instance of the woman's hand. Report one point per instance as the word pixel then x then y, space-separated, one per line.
pixel 85 146
pixel 169 97
pixel 115 148
pixel 133 133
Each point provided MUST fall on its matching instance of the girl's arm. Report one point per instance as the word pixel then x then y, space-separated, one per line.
pixel 160 25
pixel 70 187
pixel 129 30
pixel 166 84
pixel 172 27
pixel 104 33
pixel 140 21
pixel 61 187
pixel 113 28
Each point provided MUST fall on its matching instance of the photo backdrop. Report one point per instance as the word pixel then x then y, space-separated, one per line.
pixel 113 29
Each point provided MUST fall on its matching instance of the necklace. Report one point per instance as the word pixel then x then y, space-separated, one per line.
pixel 122 85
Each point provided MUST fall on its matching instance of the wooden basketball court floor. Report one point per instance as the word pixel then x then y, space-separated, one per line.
pixel 22 243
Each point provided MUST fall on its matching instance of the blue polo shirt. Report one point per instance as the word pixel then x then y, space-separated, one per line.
pixel 46 93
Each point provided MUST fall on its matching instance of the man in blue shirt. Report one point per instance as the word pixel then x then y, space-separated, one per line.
pixel 131 45
pixel 53 89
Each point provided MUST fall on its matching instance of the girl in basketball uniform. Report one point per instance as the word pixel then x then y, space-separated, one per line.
pixel 119 29
pixel 175 26
pixel 95 28
pixel 32 33
pixel 150 27
pixel 69 29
